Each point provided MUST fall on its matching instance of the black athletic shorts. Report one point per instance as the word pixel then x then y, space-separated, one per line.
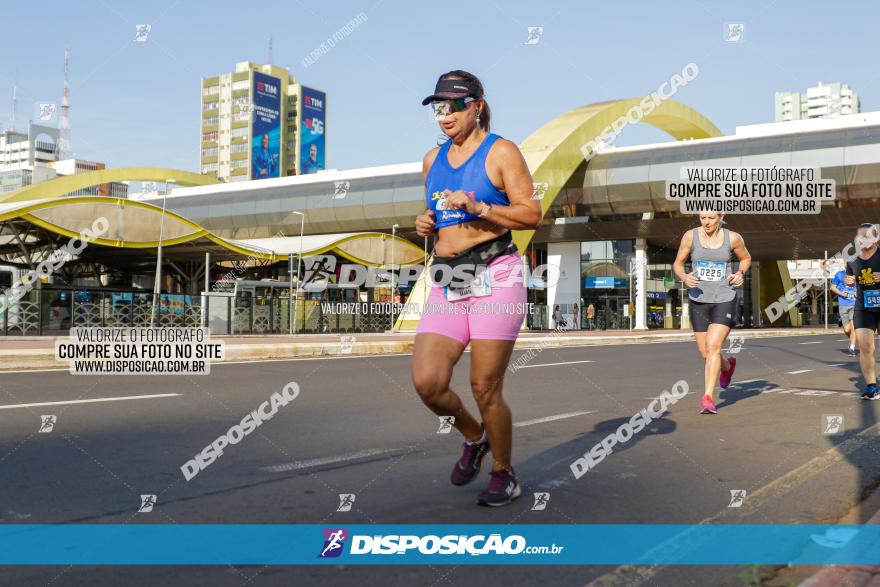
pixel 866 319
pixel 703 314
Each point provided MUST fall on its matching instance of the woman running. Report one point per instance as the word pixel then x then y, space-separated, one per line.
pixel 477 189
pixel 712 292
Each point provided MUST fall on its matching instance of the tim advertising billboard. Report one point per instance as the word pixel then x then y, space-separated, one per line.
pixel 313 111
pixel 266 127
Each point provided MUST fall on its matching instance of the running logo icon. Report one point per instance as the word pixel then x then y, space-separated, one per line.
pixel 346 501
pixel 47 423
pixel 446 423
pixel 637 265
pixel 832 424
pixel 142 32
pixel 317 274
pixel 734 32
pixel 541 500
pixel 147 503
pixel 149 188
pixel 539 189
pixel 737 496
pixel 334 542
pixel 534 35
pixel 345 344
pixel 736 344
pixel 833 110
pixel 47 111
pixel 342 188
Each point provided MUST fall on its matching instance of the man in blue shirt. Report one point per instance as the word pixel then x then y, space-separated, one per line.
pixel 265 163
pixel 311 164
pixel 846 302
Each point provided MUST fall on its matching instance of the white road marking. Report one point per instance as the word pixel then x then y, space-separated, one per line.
pixel 747 381
pixel 799 372
pixel 685 393
pixel 552 364
pixel 814 342
pixel 551 418
pixel 837 365
pixel 372 452
pixel 295 466
pixel 88 401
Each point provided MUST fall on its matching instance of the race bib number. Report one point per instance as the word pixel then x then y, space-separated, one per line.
pixel 479 287
pixel 872 298
pixel 710 270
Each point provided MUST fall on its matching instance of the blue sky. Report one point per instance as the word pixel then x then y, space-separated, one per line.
pixel 138 103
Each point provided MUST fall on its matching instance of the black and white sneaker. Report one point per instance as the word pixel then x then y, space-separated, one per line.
pixel 852 351
pixel 871 392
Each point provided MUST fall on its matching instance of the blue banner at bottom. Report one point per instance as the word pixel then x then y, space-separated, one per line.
pixel 529 544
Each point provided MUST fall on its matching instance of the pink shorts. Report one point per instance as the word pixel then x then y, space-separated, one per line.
pixel 497 316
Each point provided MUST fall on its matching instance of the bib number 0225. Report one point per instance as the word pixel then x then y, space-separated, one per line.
pixel 710 270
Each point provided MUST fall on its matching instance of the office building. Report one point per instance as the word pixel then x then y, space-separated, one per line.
pixel 32 157
pixel 257 122
pixel 821 101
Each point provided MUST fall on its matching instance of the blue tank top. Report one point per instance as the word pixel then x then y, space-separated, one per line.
pixel 470 177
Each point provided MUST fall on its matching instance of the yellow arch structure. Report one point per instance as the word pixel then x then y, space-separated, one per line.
pixel 66 184
pixel 555 151
pixel 135 225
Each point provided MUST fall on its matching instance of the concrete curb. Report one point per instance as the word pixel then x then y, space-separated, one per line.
pixel 44 358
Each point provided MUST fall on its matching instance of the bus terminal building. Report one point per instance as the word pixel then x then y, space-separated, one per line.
pixel 609 233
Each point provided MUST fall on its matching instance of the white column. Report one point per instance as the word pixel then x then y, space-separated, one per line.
pixel 526 272
pixel 640 283
pixel 563 275
pixel 667 312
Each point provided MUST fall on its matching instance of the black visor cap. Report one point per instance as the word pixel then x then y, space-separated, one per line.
pixel 448 89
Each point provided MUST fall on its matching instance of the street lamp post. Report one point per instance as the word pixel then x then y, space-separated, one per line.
pixel 158 280
pixel 393 238
pixel 290 301
pixel 302 225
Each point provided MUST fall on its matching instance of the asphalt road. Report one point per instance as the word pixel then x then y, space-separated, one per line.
pixel 358 427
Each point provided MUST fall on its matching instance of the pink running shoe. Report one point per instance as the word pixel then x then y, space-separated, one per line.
pixel 727 376
pixel 707 406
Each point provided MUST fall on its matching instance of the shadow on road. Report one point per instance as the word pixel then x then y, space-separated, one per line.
pixel 555 462
pixel 734 394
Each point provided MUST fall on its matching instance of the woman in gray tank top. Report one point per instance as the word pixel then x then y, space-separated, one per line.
pixel 712 285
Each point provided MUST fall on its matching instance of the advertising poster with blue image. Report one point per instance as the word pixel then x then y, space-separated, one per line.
pixel 266 127
pixel 311 132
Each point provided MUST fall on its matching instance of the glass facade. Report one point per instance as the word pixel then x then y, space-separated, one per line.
pixel 662 288
pixel 13 180
pixel 605 284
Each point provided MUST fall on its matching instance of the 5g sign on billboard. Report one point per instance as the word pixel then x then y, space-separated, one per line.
pixel 313 116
